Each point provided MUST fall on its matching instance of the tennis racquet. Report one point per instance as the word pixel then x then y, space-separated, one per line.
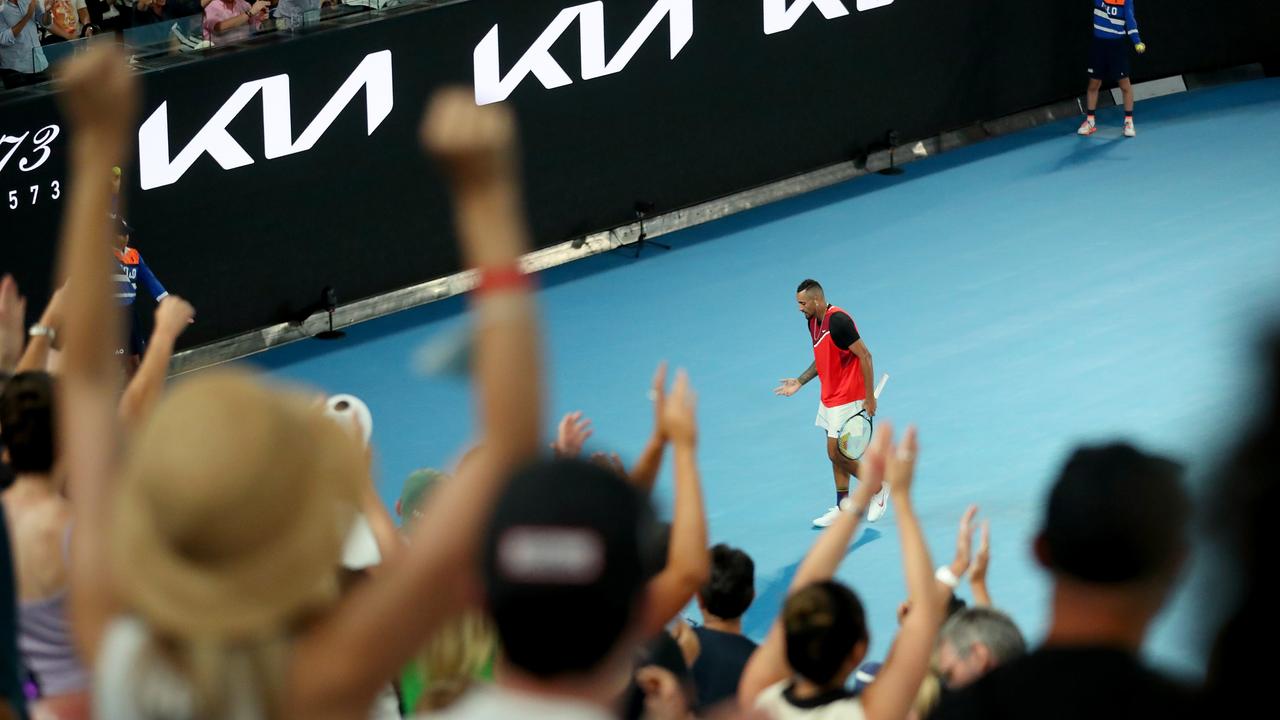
pixel 855 433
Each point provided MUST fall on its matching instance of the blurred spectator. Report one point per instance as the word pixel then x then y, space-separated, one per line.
pixel 293 13
pixel 41 521
pixel 12 698
pixel 565 546
pixel 148 12
pixel 226 21
pixel 413 492
pixel 1114 538
pixel 1239 679
pixel 974 642
pixel 723 600
pixel 683 566
pixel 662 677
pixel 464 651
pixel 67 20
pixel 22 61
pixel 106 14
pixel 205 579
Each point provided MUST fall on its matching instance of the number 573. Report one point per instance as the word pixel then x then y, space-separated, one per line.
pixel 55 192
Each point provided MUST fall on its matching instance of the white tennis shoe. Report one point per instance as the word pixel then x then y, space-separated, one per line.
pixel 879 504
pixel 827 518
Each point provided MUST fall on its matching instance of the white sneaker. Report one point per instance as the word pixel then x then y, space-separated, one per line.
pixel 879 504
pixel 827 518
pixel 1088 127
pixel 1129 131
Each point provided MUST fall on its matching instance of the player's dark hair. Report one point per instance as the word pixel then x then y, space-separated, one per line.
pixel 823 623
pixel 809 284
pixel 731 588
pixel 27 422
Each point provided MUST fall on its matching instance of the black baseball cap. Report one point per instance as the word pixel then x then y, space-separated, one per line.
pixel 565 546
pixel 1116 515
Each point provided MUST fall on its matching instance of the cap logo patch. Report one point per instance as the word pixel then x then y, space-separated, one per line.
pixel 551 555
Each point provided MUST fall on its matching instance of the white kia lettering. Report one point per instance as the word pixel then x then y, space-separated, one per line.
pixel 779 18
pixel 156 169
pixel 491 86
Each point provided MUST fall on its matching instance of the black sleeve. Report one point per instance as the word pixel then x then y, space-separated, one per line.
pixel 843 332
pixel 966 704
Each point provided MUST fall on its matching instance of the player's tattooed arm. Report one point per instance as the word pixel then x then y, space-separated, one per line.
pixel 809 374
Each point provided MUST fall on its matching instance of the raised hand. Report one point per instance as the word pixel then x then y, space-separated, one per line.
pixel 964 542
pixel 571 435
pixel 13 313
pixel 679 421
pixel 173 315
pixel 981 561
pixel 100 94
pixel 474 143
pixel 658 394
pixel 900 467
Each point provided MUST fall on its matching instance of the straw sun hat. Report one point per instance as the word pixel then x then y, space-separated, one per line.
pixel 232 508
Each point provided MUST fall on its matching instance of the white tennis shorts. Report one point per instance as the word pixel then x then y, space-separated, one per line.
pixel 831 418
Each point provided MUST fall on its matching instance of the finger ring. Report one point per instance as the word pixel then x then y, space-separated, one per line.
pixel 905 456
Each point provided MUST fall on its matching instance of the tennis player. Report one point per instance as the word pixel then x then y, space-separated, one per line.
pixel 842 364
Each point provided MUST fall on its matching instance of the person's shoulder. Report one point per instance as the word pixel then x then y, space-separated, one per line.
pixel 726 640
pixel 772 695
pixel 477 702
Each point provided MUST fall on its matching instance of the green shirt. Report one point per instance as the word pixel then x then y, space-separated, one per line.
pixel 413 682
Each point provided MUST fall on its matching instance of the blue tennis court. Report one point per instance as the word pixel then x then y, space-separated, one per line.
pixel 1025 294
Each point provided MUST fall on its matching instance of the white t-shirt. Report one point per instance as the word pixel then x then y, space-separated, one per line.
pixel 493 702
pixel 131 684
pixel 778 703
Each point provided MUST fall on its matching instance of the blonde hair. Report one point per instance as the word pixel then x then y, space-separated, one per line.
pixel 452 659
pixel 928 696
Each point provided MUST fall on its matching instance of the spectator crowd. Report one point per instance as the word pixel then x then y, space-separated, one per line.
pixel 27 27
pixel 217 550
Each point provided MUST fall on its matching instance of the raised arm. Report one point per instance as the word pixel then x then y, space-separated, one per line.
pixel 13 313
pixel 645 472
pixel 173 315
pixel 954 572
pixel 688 563
pixel 36 356
pixel 768 664
pixel 341 664
pixel 99 98
pixel 894 690
pixel 981 561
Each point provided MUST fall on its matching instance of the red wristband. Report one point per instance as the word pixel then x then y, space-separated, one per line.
pixel 498 279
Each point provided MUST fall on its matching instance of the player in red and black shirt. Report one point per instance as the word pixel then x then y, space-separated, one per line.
pixel 842 364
